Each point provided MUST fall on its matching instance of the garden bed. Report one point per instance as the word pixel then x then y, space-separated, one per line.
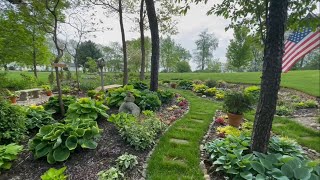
pixel 211 135
pixel 84 163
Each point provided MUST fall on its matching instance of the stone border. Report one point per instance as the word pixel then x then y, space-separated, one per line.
pixel 145 163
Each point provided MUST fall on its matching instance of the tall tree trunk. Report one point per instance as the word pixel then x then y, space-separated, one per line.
pixel 143 50
pixel 153 23
pixel 271 75
pixel 124 46
pixel 34 55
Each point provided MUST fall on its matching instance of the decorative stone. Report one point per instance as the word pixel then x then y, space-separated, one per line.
pixel 203 96
pixel 128 106
pixel 179 141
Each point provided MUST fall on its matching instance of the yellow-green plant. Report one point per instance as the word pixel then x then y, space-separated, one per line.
pixel 229 130
pixel 8 153
pixel 200 88
pixel 211 91
pixel 219 95
pixel 55 174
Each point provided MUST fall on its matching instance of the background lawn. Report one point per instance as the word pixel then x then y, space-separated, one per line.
pixel 306 81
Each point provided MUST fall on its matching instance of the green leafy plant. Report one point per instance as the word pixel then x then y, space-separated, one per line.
pixel 111 174
pixel 8 153
pixel 237 102
pixel 122 119
pixel 55 174
pixel 116 97
pixel 149 101
pixel 53 103
pixel 311 103
pixel 211 91
pixel 200 88
pixel 285 146
pixel 92 93
pixel 165 96
pixel 228 130
pixel 38 117
pixel 253 91
pixel 87 109
pixel 211 83
pixel 12 122
pixel 184 84
pixel 284 111
pixel 56 141
pixel 66 90
pixel 46 87
pixel 126 162
pixel 12 93
pixel 139 85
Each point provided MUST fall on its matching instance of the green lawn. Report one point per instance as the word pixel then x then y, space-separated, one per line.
pixel 306 81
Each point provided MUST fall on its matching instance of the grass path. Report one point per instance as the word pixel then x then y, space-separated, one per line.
pixel 177 154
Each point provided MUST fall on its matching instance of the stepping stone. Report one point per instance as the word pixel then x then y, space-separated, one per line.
pixel 186 129
pixel 175 160
pixel 179 141
pixel 197 120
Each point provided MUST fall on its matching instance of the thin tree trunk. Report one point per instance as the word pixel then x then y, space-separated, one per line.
pixel 34 55
pixel 143 50
pixel 59 91
pixel 77 73
pixel 271 75
pixel 153 23
pixel 124 46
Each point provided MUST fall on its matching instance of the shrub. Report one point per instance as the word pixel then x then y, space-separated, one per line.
pixel 221 84
pixel 87 109
pixel 311 104
pixel 51 78
pixel 116 97
pixel 200 88
pixel 38 117
pixel 165 96
pixel 56 141
pixel 12 122
pixel 139 85
pixel 283 111
pixel 197 82
pixel 53 103
pixel 237 103
pixel 211 91
pixel 126 161
pixel 184 84
pixel 66 90
pixel 112 173
pixel 90 83
pixel 8 153
pixel 285 146
pixel 149 101
pixel 211 83
pixel 253 91
pixel 55 174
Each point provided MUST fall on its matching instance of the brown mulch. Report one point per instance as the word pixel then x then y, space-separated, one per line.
pixel 84 164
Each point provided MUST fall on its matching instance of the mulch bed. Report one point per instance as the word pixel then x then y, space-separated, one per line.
pixel 84 164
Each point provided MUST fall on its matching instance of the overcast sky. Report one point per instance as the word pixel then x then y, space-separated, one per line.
pixel 189 27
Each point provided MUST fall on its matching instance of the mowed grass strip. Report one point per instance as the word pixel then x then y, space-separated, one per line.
pixel 307 81
pixel 288 128
pixel 174 159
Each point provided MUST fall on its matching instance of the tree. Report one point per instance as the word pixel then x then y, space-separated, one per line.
pixel 205 45
pixel 134 55
pixel 113 57
pixel 214 66
pixel 183 66
pixel 92 65
pixel 54 8
pixel 85 50
pixel 238 52
pixel 153 23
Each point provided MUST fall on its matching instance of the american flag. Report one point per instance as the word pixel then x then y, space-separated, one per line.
pixel 298 45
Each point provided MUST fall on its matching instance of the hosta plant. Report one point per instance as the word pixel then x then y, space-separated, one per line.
pixel 184 84
pixel 149 101
pixel 211 91
pixel 253 91
pixel 111 174
pixel 165 96
pixel 116 97
pixel 8 153
pixel 53 103
pixel 55 174
pixel 220 95
pixel 87 108
pixel 126 162
pixel 57 141
pixel 38 117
